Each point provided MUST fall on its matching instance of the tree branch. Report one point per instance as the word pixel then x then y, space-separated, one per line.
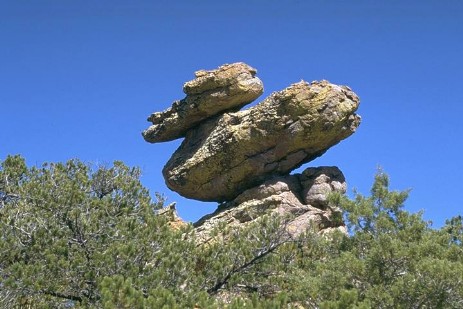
pixel 61 295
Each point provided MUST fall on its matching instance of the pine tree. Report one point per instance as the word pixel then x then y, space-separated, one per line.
pixel 68 231
pixel 73 236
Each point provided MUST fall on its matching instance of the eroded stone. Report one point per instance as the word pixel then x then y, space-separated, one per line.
pixel 229 87
pixel 225 155
pixel 286 196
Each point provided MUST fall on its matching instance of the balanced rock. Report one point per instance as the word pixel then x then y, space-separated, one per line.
pixel 300 198
pixel 227 154
pixel 227 88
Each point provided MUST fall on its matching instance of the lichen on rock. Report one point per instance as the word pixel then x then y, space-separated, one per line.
pixel 229 87
pixel 243 158
pixel 235 151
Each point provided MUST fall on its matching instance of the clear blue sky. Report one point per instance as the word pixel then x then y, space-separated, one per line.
pixel 79 78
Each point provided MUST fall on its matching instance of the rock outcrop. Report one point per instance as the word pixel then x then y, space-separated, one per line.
pixel 173 219
pixel 301 198
pixel 243 159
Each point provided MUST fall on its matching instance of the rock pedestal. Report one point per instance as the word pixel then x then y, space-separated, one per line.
pixel 243 158
pixel 301 197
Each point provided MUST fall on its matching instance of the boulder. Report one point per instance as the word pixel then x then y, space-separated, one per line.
pixel 302 199
pixel 319 182
pixel 227 154
pixel 229 87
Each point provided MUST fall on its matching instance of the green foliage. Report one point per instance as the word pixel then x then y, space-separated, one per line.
pixel 72 236
pixel 70 228
pixel 393 259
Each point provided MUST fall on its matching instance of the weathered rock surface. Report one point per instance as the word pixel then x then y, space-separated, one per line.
pixel 301 197
pixel 223 156
pixel 244 158
pixel 227 88
pixel 173 219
